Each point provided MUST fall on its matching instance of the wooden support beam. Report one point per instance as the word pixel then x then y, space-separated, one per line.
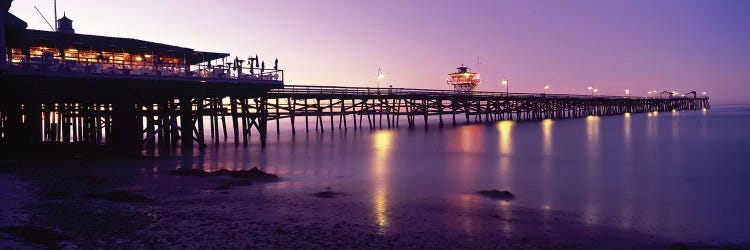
pixel 235 122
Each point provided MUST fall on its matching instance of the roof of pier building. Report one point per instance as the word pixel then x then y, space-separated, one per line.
pixel 63 40
pixel 18 36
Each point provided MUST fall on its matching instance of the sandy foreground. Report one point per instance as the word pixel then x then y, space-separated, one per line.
pixel 57 205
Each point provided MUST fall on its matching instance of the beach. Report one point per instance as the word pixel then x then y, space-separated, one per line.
pixel 574 186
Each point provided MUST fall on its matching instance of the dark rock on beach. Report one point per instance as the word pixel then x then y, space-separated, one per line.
pixel 227 184
pixel 495 194
pixel 328 194
pixel 253 173
pixel 121 196
pixel 691 246
pixel 188 172
pixel 36 235
pixel 219 172
pixel 7 166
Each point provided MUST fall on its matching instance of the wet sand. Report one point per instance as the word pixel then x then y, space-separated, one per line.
pixel 191 212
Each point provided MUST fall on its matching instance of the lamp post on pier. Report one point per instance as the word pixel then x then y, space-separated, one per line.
pixel 546 87
pixel 593 90
pixel 507 86
pixel 381 76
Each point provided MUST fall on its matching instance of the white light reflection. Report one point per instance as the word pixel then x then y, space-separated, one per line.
pixel 505 148
pixel 547 175
pixel 506 139
pixel 627 172
pixel 592 136
pixel 382 144
pixel 507 214
pixel 547 135
pixel 652 125
pixel 591 211
pixel 627 134
pixel 505 129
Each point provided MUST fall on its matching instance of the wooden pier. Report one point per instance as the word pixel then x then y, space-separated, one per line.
pixel 133 113
pixel 378 108
pixel 63 88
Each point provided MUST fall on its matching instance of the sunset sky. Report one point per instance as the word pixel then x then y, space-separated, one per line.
pixel 677 45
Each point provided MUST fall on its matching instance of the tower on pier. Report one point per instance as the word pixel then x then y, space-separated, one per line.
pixel 463 80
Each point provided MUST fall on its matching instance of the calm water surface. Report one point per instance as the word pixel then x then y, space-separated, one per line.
pixel 682 175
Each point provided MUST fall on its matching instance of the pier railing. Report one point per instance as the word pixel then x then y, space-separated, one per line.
pixel 362 91
pixel 58 68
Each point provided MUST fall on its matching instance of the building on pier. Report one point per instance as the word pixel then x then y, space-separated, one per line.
pixel 61 87
pixel 463 80
pixel 64 52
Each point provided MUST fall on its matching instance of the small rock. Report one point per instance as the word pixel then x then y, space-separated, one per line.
pixel 253 173
pixel 220 172
pixel 495 194
pixel 328 194
pixel 227 184
pixel 188 172
pixel 36 235
pixel 121 196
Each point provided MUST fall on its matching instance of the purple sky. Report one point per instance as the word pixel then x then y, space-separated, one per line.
pixel 677 45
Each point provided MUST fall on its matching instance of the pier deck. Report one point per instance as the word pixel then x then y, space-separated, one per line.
pixel 141 112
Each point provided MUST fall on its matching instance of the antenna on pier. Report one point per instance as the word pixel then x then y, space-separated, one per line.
pixel 56 27
pixel 478 63
pixel 45 19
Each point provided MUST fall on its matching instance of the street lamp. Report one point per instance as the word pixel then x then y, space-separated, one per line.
pixel 546 87
pixel 380 77
pixel 592 89
pixel 627 92
pixel 507 86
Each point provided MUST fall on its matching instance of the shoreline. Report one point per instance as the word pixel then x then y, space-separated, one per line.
pixel 191 212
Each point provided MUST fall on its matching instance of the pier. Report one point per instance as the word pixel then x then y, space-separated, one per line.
pixel 60 87
pixel 134 113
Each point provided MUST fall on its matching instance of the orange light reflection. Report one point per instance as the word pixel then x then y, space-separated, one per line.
pixel 382 145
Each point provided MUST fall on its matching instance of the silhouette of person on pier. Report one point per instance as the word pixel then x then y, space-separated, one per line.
pixel 251 61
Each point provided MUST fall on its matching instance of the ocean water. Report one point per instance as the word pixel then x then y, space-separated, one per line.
pixel 681 175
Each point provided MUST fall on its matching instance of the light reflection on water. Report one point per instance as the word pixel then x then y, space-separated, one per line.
pixel 547 172
pixel 381 163
pixel 547 134
pixel 645 172
pixel 506 137
pixel 593 165
pixel 627 173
